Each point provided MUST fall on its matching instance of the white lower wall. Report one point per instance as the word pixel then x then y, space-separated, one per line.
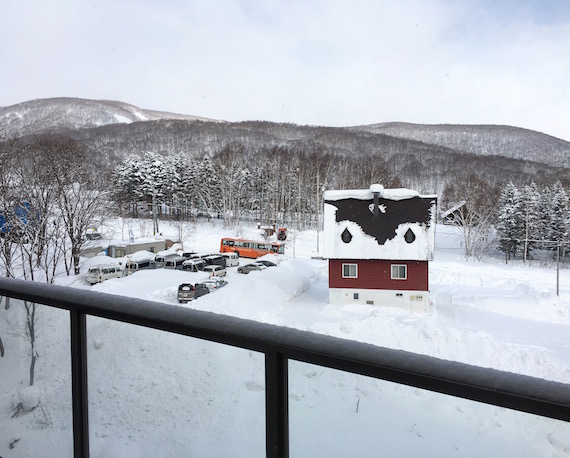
pixel 414 301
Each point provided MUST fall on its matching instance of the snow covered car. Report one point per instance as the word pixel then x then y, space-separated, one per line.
pixel 265 263
pixel 257 265
pixel 249 267
pixel 214 283
pixel 194 265
pixel 141 264
pixel 215 270
pixel 215 259
pixel 97 274
pixel 186 292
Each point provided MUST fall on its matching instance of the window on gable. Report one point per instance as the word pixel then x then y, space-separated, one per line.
pixel 399 272
pixel 349 271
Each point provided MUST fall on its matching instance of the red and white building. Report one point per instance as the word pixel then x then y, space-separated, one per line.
pixel 379 242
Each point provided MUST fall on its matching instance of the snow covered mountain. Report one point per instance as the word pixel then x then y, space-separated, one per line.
pixel 59 114
pixel 488 140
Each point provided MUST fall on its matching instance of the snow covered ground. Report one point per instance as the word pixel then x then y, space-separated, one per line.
pixel 155 394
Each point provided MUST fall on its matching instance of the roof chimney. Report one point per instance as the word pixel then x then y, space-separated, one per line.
pixel 376 190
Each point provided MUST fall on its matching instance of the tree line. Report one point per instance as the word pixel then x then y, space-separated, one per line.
pixel 529 218
pixel 277 185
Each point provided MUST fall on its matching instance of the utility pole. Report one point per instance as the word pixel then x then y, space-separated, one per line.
pixel 154 219
pixel 558 268
pixel 298 197
pixel 318 210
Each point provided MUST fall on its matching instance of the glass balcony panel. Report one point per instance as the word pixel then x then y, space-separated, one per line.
pixel 335 413
pixel 36 417
pixel 154 393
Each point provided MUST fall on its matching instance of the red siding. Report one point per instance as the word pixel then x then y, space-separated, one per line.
pixel 375 274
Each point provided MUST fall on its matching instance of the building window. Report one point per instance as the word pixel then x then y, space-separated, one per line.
pixel 349 271
pixel 399 272
pixel 355 296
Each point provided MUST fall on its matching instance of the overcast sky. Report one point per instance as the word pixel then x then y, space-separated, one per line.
pixel 318 62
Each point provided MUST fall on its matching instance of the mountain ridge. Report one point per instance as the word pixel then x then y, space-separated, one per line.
pixel 424 156
pixel 483 139
pixel 64 113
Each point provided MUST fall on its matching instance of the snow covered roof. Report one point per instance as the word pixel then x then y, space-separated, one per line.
pixel 452 209
pixel 378 223
pixel 366 194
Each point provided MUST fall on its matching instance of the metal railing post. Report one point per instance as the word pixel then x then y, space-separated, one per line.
pixel 276 405
pixel 79 384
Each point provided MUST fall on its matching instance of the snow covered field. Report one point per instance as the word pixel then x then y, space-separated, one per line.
pixel 154 394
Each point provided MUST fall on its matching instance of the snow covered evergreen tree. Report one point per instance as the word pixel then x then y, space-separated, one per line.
pixel 557 218
pixel 510 223
pixel 531 205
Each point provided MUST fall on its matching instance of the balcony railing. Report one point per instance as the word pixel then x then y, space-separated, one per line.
pixel 279 345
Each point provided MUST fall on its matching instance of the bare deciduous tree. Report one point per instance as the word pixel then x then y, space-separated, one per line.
pixel 475 217
pixel 78 189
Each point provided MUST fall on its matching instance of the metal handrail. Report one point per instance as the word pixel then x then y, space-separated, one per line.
pixel 280 344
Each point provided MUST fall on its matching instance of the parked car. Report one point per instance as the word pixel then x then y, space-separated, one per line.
pixel 215 259
pixel 200 289
pixel 215 270
pixel 232 259
pixel 214 283
pixel 160 259
pixel 174 262
pixel 186 292
pixel 97 274
pixel 257 265
pixel 194 265
pixel 265 263
pixel 134 266
pixel 250 267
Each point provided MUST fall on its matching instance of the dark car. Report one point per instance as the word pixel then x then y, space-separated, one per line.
pixel 186 292
pixel 215 260
pixel 201 289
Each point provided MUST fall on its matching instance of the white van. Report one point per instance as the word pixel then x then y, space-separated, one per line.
pixel 97 274
pixel 134 266
pixel 194 265
pixel 175 262
pixel 160 259
pixel 232 259
pixel 215 270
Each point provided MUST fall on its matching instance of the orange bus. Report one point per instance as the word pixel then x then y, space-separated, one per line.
pixel 250 248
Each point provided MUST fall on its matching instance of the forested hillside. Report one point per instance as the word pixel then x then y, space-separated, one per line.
pixel 489 140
